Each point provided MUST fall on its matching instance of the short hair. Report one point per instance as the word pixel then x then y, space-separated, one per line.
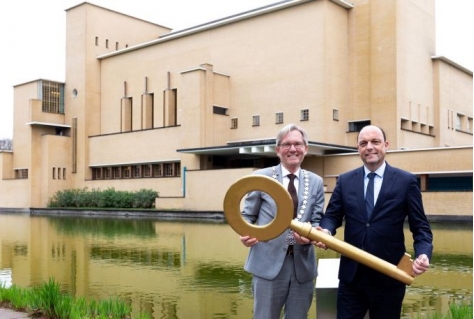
pixel 383 132
pixel 287 129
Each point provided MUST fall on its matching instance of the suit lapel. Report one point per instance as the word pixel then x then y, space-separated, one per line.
pixel 278 174
pixel 300 189
pixel 389 180
pixel 359 188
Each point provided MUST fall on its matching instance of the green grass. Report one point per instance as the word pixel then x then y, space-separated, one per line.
pixel 460 311
pixel 47 301
pixel 456 311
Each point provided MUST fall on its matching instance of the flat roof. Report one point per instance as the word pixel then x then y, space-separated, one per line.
pixel 217 23
pixel 265 147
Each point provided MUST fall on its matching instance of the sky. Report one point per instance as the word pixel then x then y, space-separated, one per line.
pixel 32 42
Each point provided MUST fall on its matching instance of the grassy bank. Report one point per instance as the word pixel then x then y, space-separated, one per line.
pixel 47 301
pixel 456 311
pixel 460 311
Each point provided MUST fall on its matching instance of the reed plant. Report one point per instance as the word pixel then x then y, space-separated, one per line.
pixel 462 311
pixel 47 301
pixel 456 311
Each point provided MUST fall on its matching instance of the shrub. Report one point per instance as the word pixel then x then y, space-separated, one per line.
pixel 109 198
pixel 144 198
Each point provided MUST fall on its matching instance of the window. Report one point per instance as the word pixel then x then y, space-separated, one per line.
pixel 21 173
pixel 97 173
pixel 256 120
pixel 157 170
pixel 147 170
pixel 117 172
pixel 64 173
pixel 405 124
pixel 358 125
pixel 108 172
pixel 126 172
pixel 54 172
pixel 107 43
pixel 449 183
pixel 168 169
pixel 137 171
pixel 177 169
pixel 463 123
pixel 59 172
pixel 171 169
pixel 52 96
pixel 278 117
pixel 234 123
pixel 96 41
pixel 459 120
pixel 116 46
pixel 304 115
pixel 335 114
pixel 219 110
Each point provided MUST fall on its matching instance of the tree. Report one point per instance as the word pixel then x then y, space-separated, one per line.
pixel 6 144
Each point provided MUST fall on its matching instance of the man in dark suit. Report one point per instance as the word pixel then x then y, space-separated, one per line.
pixel 374 217
pixel 284 268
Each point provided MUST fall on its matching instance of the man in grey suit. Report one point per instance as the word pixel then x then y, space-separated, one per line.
pixel 284 268
pixel 374 219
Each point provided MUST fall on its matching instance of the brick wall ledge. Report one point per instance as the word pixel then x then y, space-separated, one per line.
pixel 127 213
pixel 170 214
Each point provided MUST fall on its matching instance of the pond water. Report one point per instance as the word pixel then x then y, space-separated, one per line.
pixel 180 269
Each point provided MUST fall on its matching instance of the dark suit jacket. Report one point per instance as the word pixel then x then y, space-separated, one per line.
pixel 381 235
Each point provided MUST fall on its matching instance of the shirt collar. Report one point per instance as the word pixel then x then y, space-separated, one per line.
pixel 380 171
pixel 285 172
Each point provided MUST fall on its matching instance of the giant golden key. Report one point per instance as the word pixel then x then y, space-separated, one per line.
pixel 284 220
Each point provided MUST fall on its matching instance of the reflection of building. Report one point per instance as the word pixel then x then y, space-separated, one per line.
pixel 194 269
pixel 143 107
pixel 6 278
pixel 177 269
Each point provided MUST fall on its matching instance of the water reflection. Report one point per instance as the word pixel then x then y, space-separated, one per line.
pixel 187 269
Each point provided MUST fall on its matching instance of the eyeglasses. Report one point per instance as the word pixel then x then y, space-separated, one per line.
pixel 287 146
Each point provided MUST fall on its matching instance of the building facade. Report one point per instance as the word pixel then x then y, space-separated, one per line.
pixel 189 112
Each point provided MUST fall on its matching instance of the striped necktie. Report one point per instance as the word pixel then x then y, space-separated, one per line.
pixel 369 194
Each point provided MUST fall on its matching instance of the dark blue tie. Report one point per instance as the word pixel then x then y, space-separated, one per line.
pixel 369 194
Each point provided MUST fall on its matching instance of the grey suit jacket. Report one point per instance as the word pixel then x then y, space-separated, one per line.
pixel 265 259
